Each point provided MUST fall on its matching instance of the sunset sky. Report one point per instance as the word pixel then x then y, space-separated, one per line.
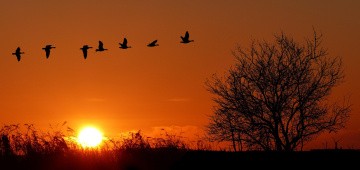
pixel 144 88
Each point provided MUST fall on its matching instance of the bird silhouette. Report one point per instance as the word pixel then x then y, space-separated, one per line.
pixel 153 44
pixel 18 53
pixel 84 50
pixel 47 49
pixel 100 47
pixel 124 44
pixel 185 39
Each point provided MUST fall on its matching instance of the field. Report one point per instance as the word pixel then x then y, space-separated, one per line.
pixel 178 159
pixel 32 149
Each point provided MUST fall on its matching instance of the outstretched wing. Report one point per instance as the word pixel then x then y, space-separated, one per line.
pixel 125 42
pixel 47 51
pixel 186 35
pixel 85 53
pixel 152 43
pixel 18 56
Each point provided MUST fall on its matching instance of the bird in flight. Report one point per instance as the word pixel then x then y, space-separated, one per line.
pixel 47 49
pixel 18 53
pixel 185 39
pixel 153 44
pixel 124 44
pixel 84 50
pixel 101 47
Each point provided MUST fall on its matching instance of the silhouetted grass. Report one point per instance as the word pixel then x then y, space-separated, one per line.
pixel 27 148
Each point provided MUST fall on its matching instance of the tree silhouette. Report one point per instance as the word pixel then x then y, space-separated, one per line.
pixel 276 95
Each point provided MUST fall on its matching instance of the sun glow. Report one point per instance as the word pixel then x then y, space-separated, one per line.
pixel 90 137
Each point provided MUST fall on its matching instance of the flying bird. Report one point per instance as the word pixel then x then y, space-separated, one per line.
pixel 47 49
pixel 84 50
pixel 153 44
pixel 124 44
pixel 185 39
pixel 18 53
pixel 101 47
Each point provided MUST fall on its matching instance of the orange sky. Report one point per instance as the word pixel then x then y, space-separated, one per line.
pixel 146 88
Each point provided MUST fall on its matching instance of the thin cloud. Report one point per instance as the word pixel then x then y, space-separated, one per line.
pixel 178 100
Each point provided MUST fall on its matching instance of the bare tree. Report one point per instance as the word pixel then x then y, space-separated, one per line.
pixel 275 97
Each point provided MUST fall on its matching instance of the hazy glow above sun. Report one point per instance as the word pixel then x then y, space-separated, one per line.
pixel 90 137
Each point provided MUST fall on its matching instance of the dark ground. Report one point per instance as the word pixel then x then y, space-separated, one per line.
pixel 182 160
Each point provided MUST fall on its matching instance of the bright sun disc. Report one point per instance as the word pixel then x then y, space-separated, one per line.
pixel 90 137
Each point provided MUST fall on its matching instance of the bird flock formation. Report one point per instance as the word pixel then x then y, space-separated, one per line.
pixel 124 45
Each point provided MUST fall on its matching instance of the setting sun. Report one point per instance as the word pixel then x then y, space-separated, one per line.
pixel 90 137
